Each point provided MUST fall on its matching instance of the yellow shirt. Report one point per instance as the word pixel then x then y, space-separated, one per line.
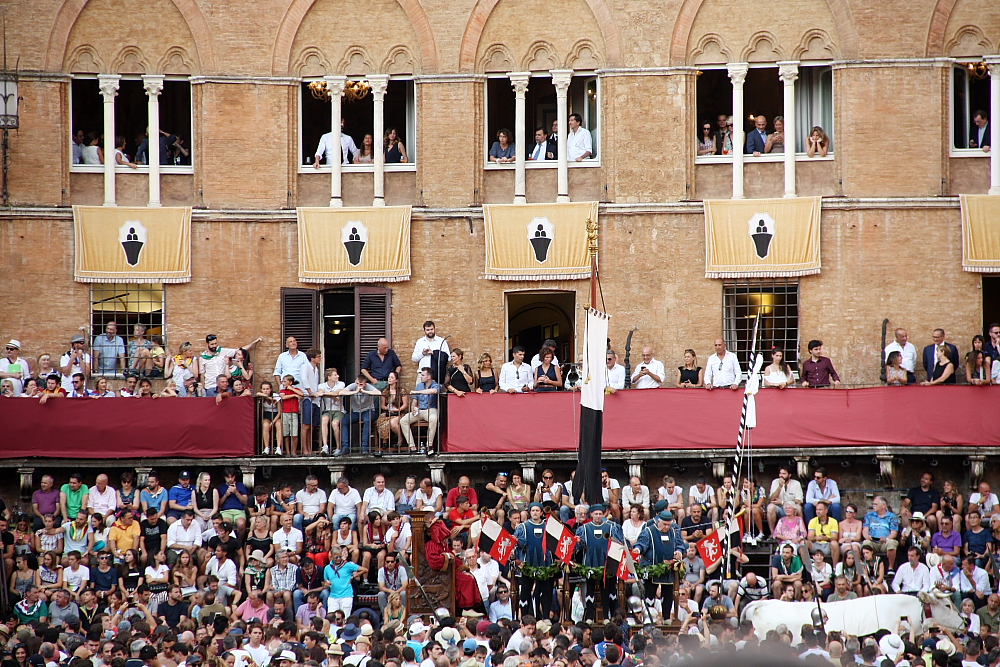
pixel 125 538
pixel 828 529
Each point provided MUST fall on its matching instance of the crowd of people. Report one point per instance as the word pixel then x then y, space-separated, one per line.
pixel 222 574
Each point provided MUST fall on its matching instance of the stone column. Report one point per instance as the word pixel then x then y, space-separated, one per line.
pixel 788 72
pixel 335 88
pixel 519 80
pixel 153 83
pixel 994 65
pixel 561 79
pixel 738 74
pixel 109 89
pixel 379 84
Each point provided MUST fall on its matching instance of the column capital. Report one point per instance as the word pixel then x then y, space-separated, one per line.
pixel 378 82
pixel 335 85
pixel 738 72
pixel 519 81
pixel 788 71
pixel 561 79
pixel 153 84
pixel 109 85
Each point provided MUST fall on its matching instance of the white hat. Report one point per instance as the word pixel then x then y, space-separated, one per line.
pixel 891 646
pixel 14 343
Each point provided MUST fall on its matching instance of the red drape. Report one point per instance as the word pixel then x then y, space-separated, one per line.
pixel 699 419
pixel 79 428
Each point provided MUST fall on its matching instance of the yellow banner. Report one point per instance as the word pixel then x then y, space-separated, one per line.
pixel 762 238
pixel 981 233
pixel 132 245
pixel 354 245
pixel 538 241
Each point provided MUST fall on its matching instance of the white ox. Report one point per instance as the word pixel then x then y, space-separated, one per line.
pixel 863 616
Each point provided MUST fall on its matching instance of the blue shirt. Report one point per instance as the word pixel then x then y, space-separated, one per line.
pixel 340 579
pixel 427 401
pixel 180 495
pixel 879 527
pixel 380 368
pixel 153 501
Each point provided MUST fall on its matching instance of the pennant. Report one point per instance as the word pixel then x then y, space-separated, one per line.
pixel 560 540
pixel 497 541
pixel 710 549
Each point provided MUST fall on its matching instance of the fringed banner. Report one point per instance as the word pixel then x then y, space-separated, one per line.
pixel 981 233
pixel 538 241
pixel 132 245
pixel 762 238
pixel 354 245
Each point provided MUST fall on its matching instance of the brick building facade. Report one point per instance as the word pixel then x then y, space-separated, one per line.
pixel 891 232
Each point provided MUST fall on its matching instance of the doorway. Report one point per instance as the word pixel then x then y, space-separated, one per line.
pixel 991 302
pixel 532 317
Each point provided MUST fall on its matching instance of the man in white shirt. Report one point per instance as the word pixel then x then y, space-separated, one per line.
pixel 636 493
pixel 914 577
pixel 74 361
pixel 376 497
pixel 325 147
pixel 783 489
pixel 579 144
pixel 649 374
pixel 332 409
pixel 309 502
pixel 183 535
pixel 14 368
pixel 907 350
pixel 430 342
pixel 103 499
pixel 616 372
pixel 515 375
pixel 346 502
pixel 722 369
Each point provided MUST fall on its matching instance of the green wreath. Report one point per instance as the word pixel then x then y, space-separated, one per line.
pixel 589 572
pixel 540 571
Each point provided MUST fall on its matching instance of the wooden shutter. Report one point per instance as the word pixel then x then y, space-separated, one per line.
pixel 373 308
pixel 300 316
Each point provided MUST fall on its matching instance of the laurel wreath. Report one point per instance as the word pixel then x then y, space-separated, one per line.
pixel 540 571
pixel 589 572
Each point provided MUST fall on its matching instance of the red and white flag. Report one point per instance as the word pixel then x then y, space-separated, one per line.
pixel 560 540
pixel 710 549
pixel 497 541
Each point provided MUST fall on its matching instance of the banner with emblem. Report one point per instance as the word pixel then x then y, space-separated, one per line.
pixel 117 244
pixel 354 245
pixel 538 241
pixel 762 238
pixel 981 233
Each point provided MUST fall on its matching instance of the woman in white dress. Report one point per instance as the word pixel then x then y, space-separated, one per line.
pixel 778 374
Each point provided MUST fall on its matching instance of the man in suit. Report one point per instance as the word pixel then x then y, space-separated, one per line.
pixel 930 354
pixel 544 148
pixel 757 138
pixel 979 135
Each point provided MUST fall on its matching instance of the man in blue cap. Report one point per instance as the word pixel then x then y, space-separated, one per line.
pixel 660 544
pixel 530 537
pixel 594 541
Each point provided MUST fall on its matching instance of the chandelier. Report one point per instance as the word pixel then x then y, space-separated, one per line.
pixel 353 90
pixel 978 70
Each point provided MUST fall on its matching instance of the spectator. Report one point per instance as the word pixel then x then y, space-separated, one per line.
pixel 931 358
pixel 818 143
pixel 547 375
pixel 707 140
pixel 109 351
pixel 822 487
pixel 944 368
pixel 690 374
pixel 515 375
pixel 290 395
pixel 362 406
pixel 74 361
pixel 215 361
pixel 778 374
pixel 544 148
pixel 776 140
pixel 429 344
pixel 379 363
pixel 326 150
pixel 881 528
pixel 615 377
pixel 579 144
pixel 486 377
pixel 722 368
pixel 979 134
pixel 14 368
pixel 783 489
pixel 395 151
pixel 755 143
pixel 817 369
pixel 310 502
pixel 502 149
pixel 650 373
pixel 346 502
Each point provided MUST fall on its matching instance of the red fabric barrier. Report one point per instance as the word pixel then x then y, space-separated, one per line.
pixel 700 419
pixel 127 428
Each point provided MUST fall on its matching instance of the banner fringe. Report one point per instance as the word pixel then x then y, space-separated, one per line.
pixel 539 276
pixel 762 274
pixel 130 280
pixel 344 281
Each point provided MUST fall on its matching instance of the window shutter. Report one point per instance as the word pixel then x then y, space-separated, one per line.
pixel 300 316
pixel 373 306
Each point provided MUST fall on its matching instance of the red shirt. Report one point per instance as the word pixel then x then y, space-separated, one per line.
pixel 289 406
pixel 452 499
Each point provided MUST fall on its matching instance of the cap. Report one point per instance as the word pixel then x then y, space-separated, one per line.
pixel 469 646
pixel 184 475
pixel 14 343
pixel 665 515
pixel 77 339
